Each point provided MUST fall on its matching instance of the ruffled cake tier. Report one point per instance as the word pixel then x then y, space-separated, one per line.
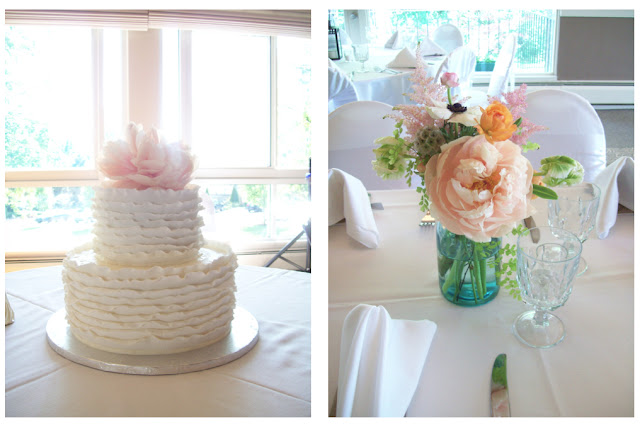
pixel 147 227
pixel 150 310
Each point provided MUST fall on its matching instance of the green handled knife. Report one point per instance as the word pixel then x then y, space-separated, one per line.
pixel 499 389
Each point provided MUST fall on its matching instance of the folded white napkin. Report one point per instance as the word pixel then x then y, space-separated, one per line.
pixel 395 41
pixel 429 47
pixel 348 199
pixel 404 59
pixel 8 312
pixel 616 187
pixel 381 360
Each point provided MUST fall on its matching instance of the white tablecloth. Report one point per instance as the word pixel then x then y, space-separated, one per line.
pixel 273 379
pixel 383 86
pixel 590 373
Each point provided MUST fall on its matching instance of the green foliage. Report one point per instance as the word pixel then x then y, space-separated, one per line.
pixel 24 201
pixel 544 192
pixel 529 146
pixel 256 194
pixel 507 273
pixel 235 197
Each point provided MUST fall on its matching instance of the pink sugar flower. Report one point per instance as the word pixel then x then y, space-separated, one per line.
pixel 146 160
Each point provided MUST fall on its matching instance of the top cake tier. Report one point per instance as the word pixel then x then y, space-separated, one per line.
pixel 147 227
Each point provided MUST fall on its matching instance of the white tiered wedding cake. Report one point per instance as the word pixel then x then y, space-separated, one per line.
pixel 148 283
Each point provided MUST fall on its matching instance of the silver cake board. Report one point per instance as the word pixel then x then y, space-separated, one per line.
pixel 240 340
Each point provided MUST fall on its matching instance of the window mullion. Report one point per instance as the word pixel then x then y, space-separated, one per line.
pixel 274 102
pixel 97 54
pixel 186 88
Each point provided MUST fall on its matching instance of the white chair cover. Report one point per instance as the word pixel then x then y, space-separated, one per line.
pixel 574 129
pixel 448 37
pixel 353 128
pixel 462 61
pixel 341 88
pixel 502 77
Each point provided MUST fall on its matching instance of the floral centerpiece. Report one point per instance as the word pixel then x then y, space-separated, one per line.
pixel 474 179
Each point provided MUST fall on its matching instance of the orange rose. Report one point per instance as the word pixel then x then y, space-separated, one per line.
pixel 496 123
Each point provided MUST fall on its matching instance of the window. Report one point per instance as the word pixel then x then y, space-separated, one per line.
pixel 483 30
pixel 241 101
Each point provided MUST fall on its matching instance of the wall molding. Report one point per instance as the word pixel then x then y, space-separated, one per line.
pixel 597 93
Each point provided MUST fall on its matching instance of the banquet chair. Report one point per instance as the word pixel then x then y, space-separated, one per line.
pixel 502 77
pixel 462 61
pixel 448 37
pixel 353 128
pixel 573 129
pixel 341 88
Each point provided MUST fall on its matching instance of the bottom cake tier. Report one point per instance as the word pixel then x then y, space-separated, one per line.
pixel 150 310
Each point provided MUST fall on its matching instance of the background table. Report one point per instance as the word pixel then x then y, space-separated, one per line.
pixel 590 373
pixel 384 86
pixel 273 379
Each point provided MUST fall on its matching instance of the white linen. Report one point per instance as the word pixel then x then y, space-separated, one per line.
pixel 386 87
pixel 616 187
pixel 429 47
pixel 341 88
pixel 395 42
pixel 348 200
pixel 380 362
pixel 353 129
pixel 273 379
pixel 590 373
pixel 404 59
pixel 462 61
pixel 573 129
pixel 9 317
pixel 448 36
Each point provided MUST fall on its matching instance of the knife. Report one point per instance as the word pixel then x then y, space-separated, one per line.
pixel 530 224
pixel 499 390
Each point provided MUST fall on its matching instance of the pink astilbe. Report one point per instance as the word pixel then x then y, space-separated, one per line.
pixel 424 93
pixel 516 101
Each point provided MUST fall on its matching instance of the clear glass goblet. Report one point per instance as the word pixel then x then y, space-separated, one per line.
pixel 575 210
pixel 361 53
pixel 547 260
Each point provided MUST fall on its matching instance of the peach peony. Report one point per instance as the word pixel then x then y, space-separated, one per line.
pixel 479 189
pixel 496 123
pixel 145 160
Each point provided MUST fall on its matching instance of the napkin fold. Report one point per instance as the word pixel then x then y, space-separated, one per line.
pixel 381 360
pixel 9 318
pixel 348 199
pixel 395 41
pixel 404 59
pixel 429 47
pixel 616 187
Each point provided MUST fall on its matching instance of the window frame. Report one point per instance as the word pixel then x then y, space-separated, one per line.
pixel 271 175
pixel 480 78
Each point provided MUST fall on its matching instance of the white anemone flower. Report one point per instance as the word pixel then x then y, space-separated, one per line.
pixel 470 117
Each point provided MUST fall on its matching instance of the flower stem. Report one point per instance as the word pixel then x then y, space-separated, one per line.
pixel 480 268
pixel 474 283
pixel 449 95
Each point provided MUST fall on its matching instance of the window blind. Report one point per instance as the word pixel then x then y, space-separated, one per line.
pixel 125 19
pixel 265 22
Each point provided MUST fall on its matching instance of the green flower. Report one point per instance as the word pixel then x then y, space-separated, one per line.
pixel 391 160
pixel 560 170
